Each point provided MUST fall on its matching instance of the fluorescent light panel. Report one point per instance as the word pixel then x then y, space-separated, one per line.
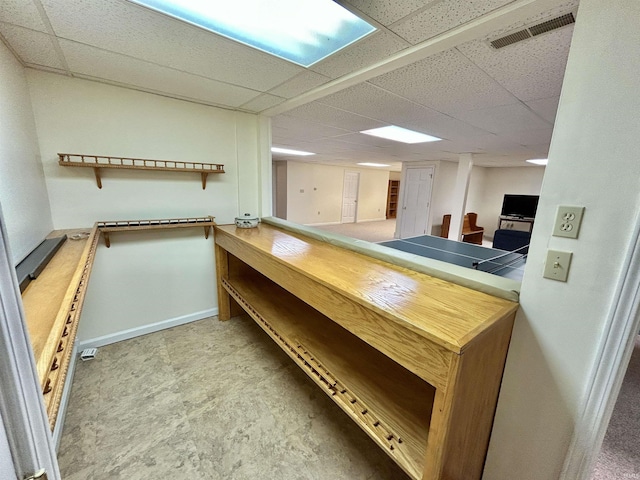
pixel 303 32
pixel 538 161
pixel 288 151
pixel 400 134
pixel 371 164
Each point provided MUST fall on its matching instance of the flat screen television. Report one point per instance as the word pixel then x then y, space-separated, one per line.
pixel 522 206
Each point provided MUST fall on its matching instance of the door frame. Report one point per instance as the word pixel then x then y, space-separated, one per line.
pixel 355 214
pixel 621 328
pixel 402 192
pixel 21 406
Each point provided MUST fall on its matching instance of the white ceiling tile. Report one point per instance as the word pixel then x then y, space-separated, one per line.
pixel 126 28
pixel 531 69
pixel 545 107
pixel 504 119
pixel 23 13
pixel 262 102
pixel 443 16
pixel 327 115
pixel 304 129
pixel 388 11
pixel 447 82
pixel 299 84
pixel 96 63
pixel 369 50
pixel 34 48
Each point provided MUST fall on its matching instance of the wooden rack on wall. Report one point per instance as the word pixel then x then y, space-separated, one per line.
pixel 105 228
pixel 97 162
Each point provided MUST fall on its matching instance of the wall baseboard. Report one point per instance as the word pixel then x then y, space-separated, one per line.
pixel 379 219
pixel 320 224
pixel 145 329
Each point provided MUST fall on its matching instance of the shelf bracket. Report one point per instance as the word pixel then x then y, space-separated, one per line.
pixel 204 179
pixel 107 240
pixel 207 229
pixel 96 171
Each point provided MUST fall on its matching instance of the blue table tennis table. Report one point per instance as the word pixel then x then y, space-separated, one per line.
pixel 490 260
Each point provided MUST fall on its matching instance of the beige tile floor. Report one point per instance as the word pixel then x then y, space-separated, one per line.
pixel 209 400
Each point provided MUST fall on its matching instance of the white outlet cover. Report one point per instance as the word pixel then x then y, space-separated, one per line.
pixel 568 220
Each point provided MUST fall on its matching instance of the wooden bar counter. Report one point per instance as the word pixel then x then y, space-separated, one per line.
pixel 414 360
pixel 52 306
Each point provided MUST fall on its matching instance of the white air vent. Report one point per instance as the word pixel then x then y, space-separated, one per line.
pixel 533 30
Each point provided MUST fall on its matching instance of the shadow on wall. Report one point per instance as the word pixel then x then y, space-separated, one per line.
pixel 527 376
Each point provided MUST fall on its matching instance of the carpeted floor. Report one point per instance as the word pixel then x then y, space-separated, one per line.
pixel 620 454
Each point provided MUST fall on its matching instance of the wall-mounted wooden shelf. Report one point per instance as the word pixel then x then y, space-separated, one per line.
pixel 97 162
pixel 136 225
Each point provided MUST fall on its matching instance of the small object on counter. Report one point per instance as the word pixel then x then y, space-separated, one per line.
pixel 247 221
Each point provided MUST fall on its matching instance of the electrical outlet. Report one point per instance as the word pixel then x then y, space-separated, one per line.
pixel 568 219
pixel 557 265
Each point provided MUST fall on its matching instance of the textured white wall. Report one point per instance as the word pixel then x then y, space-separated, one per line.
pixel 144 278
pixel 323 185
pixel 593 162
pixel 23 193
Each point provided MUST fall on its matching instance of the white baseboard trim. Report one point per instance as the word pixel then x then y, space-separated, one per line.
pixel 145 329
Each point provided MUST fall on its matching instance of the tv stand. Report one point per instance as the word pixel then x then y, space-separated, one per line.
pixel 515 223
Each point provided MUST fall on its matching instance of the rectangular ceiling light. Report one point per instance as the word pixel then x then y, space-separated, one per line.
pixel 288 151
pixel 371 164
pixel 538 161
pixel 400 134
pixel 303 32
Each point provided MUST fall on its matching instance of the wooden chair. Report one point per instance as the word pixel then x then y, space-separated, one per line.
pixel 471 233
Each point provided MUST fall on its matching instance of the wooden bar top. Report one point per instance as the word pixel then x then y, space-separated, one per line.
pixel 447 314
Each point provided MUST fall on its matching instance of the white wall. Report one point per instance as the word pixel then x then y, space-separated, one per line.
pixel 23 194
pixel 314 193
pixel 444 185
pixel 143 278
pixel 593 161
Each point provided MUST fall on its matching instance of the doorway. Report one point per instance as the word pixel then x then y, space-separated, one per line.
pixel 350 197
pixel 416 201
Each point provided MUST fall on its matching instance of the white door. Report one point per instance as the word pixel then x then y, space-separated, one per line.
pixel 26 445
pixel 416 201
pixel 350 197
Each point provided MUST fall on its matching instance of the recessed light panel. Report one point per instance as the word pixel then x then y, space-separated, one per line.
pixel 400 134
pixel 371 164
pixel 538 161
pixel 288 151
pixel 302 32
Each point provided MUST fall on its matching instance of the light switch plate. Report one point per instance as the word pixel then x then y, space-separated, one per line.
pixel 557 265
pixel 568 219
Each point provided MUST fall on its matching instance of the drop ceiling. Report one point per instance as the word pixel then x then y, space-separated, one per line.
pixel 429 67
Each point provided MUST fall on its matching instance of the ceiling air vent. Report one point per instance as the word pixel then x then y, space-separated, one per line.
pixel 533 30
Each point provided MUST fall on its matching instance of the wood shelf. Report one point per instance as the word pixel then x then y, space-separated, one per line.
pixel 414 360
pixel 392 198
pixel 97 162
pixel 392 405
pixel 107 227
pixel 53 305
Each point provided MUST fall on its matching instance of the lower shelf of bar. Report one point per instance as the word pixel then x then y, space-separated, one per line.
pixel 392 405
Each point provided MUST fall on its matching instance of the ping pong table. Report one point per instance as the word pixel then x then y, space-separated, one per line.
pixel 490 260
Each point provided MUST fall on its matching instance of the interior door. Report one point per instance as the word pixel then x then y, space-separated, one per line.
pixel 350 197
pixel 416 201
pixel 27 445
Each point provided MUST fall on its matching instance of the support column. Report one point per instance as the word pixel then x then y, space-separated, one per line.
pixel 465 164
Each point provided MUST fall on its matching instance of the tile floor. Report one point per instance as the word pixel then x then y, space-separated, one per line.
pixel 209 400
